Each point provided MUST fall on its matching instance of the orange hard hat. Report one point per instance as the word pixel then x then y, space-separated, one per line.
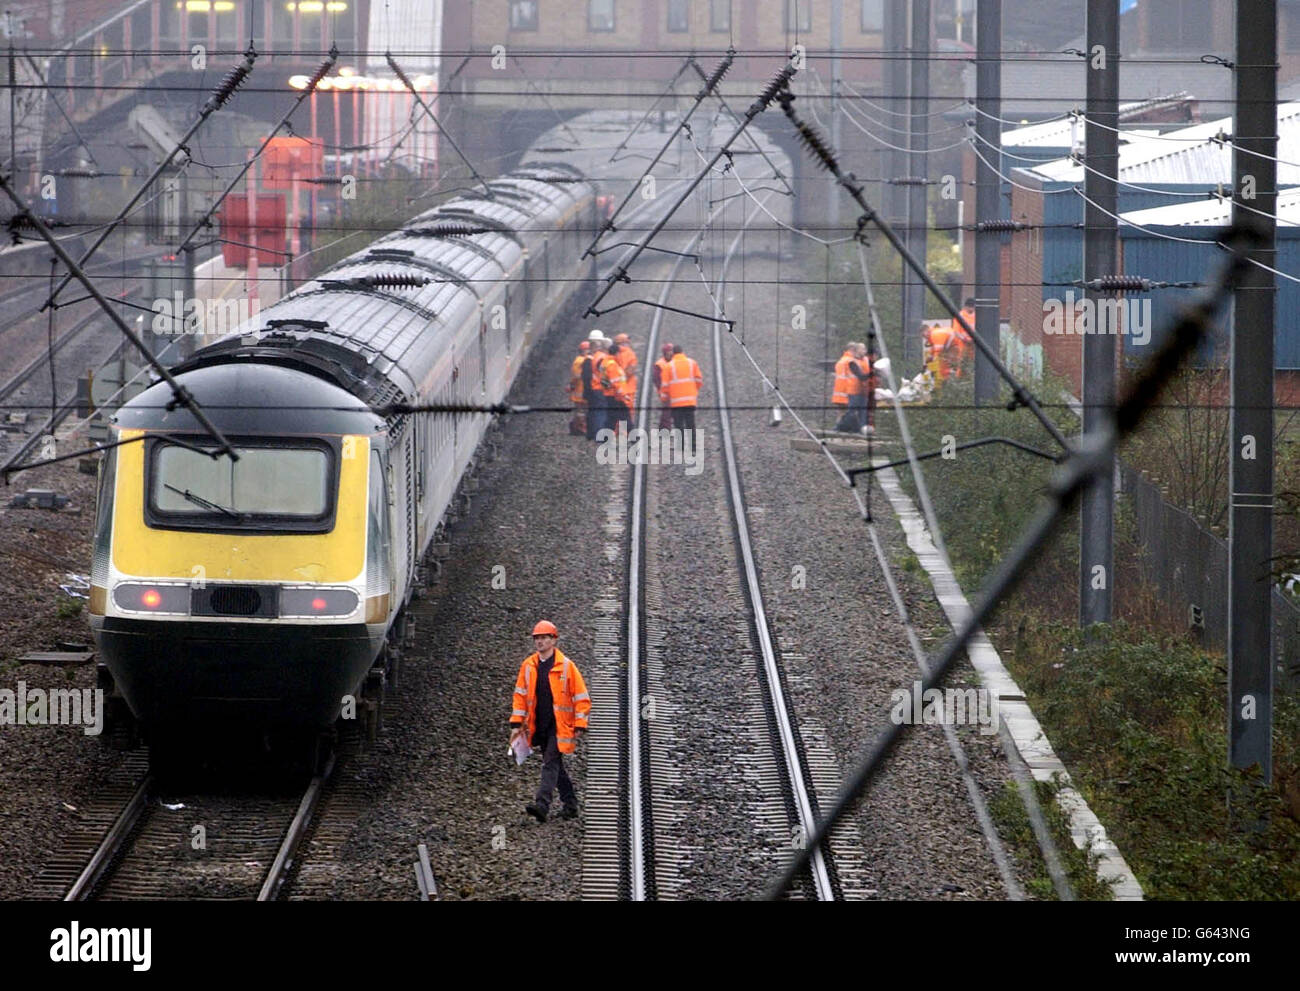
pixel 584 346
pixel 545 628
pixel 620 338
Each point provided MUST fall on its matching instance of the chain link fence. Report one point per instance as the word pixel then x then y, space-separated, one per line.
pixel 1188 565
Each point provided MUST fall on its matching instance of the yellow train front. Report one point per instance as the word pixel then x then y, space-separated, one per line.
pixel 251 592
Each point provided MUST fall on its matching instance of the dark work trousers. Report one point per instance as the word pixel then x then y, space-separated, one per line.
pixel 553 772
pixel 595 414
pixel 855 415
pixel 683 417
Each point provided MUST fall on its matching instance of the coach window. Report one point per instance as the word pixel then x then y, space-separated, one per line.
pixel 872 16
pixel 523 15
pixel 679 15
pixel 311 26
pixel 104 505
pixel 798 15
pixel 719 15
pixel 378 527
pixel 227 23
pixel 600 15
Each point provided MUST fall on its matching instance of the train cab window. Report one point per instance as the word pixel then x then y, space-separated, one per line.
pixel 271 487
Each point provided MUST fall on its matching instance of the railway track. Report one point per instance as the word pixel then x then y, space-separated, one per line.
pixel 202 847
pixel 24 303
pixel 641 838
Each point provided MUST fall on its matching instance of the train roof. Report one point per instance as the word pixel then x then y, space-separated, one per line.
pixel 382 308
pixel 236 396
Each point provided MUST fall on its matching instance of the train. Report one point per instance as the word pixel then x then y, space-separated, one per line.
pixel 270 592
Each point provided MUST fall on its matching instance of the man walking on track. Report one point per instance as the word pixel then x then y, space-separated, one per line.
pixel 551 706
pixel 679 387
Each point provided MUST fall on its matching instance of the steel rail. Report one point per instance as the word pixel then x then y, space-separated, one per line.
pixel 114 840
pixel 787 732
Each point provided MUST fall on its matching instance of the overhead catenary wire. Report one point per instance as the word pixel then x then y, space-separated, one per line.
pixel 1217 242
pixel 710 82
pixel 218 99
pixel 760 104
pixel 814 142
pixel 308 90
pixel 180 395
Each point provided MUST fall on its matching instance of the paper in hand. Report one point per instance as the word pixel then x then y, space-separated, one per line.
pixel 519 748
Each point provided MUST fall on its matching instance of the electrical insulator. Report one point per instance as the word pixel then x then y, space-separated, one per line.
pixel 1120 283
pixel 999 226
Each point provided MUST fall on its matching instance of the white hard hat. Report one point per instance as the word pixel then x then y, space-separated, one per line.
pixel 596 335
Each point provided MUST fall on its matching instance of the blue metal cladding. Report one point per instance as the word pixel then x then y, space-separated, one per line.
pixel 1161 260
pixel 1156 258
pixel 1063 246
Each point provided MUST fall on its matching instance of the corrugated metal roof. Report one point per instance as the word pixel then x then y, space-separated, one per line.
pixel 1069 132
pixel 1187 155
pixel 1211 213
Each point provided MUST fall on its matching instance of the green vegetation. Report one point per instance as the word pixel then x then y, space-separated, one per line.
pixel 68 608
pixel 1140 722
pixel 1013 826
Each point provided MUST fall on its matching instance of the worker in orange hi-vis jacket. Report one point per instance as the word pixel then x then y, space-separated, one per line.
pixel 940 342
pixel 613 384
pixel 679 387
pixel 551 709
pixel 657 377
pixel 597 413
pixel 846 387
pixel 578 425
pixel 963 347
pixel 627 360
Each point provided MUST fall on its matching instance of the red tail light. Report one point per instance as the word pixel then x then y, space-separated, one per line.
pixel 150 599
pixel 318 603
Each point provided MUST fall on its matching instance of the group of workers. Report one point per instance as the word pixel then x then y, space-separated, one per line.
pixel 948 346
pixel 603 383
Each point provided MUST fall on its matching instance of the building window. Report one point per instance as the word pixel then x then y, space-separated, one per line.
pixel 1289 15
pixel 872 16
pixel 523 15
pixel 798 15
pixel 679 15
pixel 1180 25
pixel 719 15
pixel 600 15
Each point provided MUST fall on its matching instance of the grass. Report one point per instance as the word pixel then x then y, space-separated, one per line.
pixel 1012 821
pixel 1140 721
pixel 68 608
